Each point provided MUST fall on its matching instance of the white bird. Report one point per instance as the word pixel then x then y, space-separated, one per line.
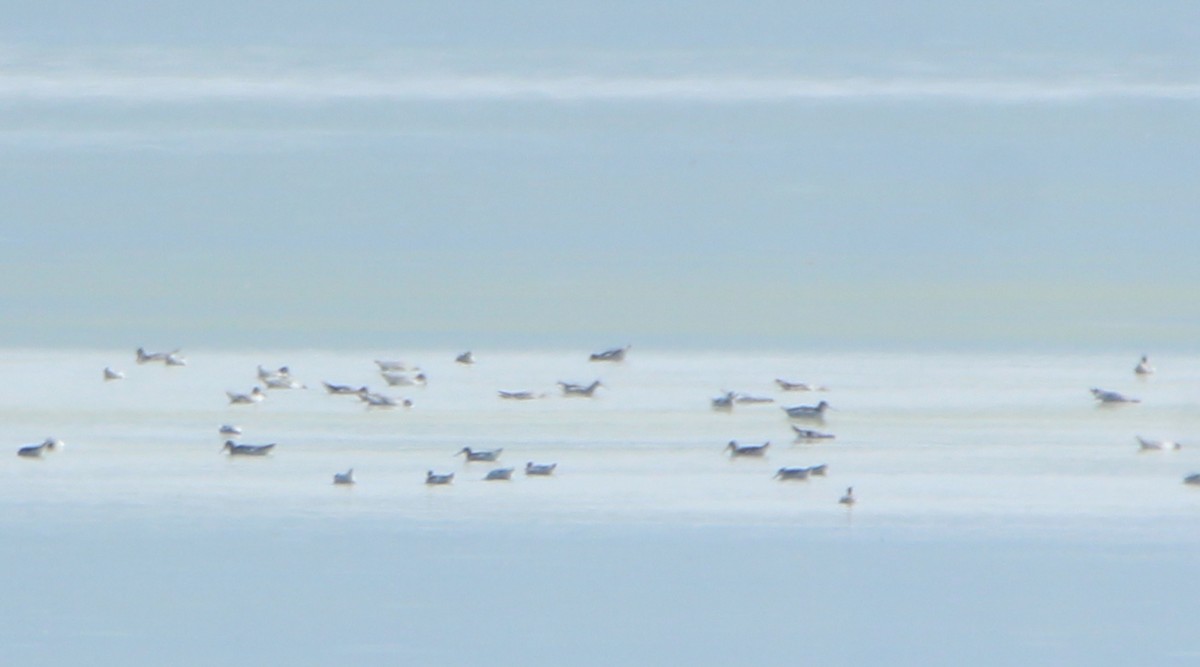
pixel 1157 445
pixel 235 449
pixel 1193 479
pixel 848 500
pixel 344 389
pixel 748 398
pixel 791 473
pixel 1144 367
pixel 267 374
pixel 256 395
pixel 735 449
pixel 344 477
pixel 614 354
pixel 386 365
pixel 480 455
pixel 398 379
pixel 110 374
pixel 541 469
pixel 571 389
pixel 385 402
pixel 466 358
pixel 519 395
pixel 433 479
pixel 284 382
pixel 229 429
pixel 144 357
pixel 809 434
pixel 724 402
pixel 35 451
pixel 1105 396
pixel 818 470
pixel 797 386
pixel 499 474
pixel 174 359
pixel 807 411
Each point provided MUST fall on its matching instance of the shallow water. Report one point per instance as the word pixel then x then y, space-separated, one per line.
pixel 1003 517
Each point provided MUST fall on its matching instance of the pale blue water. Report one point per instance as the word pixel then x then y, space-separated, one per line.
pixel 1003 517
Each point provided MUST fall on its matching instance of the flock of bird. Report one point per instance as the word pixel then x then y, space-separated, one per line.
pixel 396 373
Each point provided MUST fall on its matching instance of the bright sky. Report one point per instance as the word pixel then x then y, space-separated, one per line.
pixel 467 174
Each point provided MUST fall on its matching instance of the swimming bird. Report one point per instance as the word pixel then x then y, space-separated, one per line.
pixel 1144 367
pixel 724 402
pixel 818 470
pixel 791 473
pixel 284 382
pixel 809 434
pixel 571 389
pixel 1105 396
pixel 35 451
pixel 466 358
pixel 434 480
pixel 344 389
pixel 279 373
pixel 748 398
pixel 540 469
pixel 398 379
pixel 614 354
pixel 174 359
pixel 1157 445
pixel 256 395
pixel 344 477
pixel 480 455
pixel 498 474
pixel 229 429
pixel 380 401
pixel 386 365
pixel 797 386
pixel 1193 479
pixel 519 395
pixel 848 500
pixel 110 374
pixel 247 450
pixel 807 411
pixel 735 449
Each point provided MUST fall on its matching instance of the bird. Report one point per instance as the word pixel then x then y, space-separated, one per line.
pixel 818 470
pixel 807 411
pixel 380 401
pixel 848 500
pixel 399 379
pixel 785 385
pixel 386 365
pixel 748 398
pixel 284 382
pixel 499 474
pixel 144 357
pixel 480 455
pixel 344 477
pixel 110 374
pixel 174 359
pixel 229 429
pixel 466 358
pixel 1105 396
pixel 1192 479
pixel 256 395
pixel 266 374
pixel 791 473
pixel 614 354
pixel 571 389
pixel 1144 367
pixel 247 450
pixel 35 451
pixel 724 402
pixel 540 469
pixel 1148 444
pixel 735 449
pixel 809 434
pixel 344 389
pixel 519 395
pixel 434 479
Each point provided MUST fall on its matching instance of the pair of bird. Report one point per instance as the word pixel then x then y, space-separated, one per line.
pixel 531 469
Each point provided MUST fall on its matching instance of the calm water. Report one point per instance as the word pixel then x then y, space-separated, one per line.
pixel 1001 514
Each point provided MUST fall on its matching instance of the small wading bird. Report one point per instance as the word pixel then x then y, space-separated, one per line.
pixel 542 469
pixel 433 479
pixel 480 455
pixel 235 449
pixel 735 449
pixel 36 451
